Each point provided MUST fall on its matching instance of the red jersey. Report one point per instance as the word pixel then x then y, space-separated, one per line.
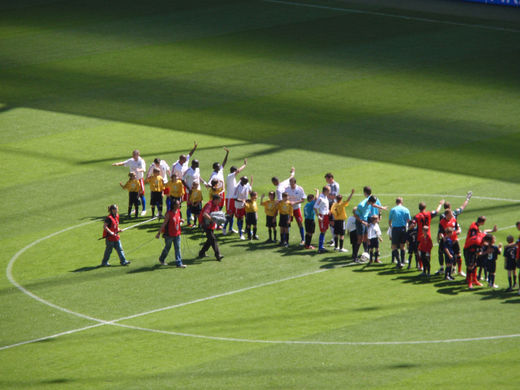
pixel 424 219
pixel 174 223
pixel 473 231
pixel 425 244
pixel 208 209
pixel 113 224
pixel 452 223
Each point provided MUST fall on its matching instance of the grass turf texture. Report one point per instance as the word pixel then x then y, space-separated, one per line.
pixel 405 106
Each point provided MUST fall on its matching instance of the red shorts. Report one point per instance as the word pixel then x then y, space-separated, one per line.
pixel 166 191
pixel 297 215
pixel 141 184
pixel 240 213
pixel 230 206
pixel 324 223
pixel 222 200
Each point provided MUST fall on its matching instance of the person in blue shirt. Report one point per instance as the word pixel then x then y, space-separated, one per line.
pixel 397 220
pixel 362 214
pixel 310 217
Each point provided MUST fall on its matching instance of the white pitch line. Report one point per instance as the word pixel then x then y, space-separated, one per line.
pixel 395 16
pixel 114 322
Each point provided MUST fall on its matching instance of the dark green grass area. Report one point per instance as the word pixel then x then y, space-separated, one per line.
pixel 423 109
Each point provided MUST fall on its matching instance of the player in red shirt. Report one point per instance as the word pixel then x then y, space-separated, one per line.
pixel 425 247
pixel 472 247
pixel 171 229
pixel 209 226
pixel 424 218
pixel 450 222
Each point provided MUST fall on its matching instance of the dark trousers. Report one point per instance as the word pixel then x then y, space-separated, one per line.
pixel 211 241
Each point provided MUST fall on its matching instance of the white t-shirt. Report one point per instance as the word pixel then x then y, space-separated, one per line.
pixel 180 169
pixel 192 176
pixel 373 231
pixel 163 167
pixel 322 205
pixel 134 165
pixel 280 189
pixel 241 195
pixel 334 190
pixel 351 224
pixel 231 185
pixel 219 176
pixel 295 195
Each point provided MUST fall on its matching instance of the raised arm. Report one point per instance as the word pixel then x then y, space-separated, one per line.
pixel 350 196
pixel 195 144
pixel 118 164
pixel 440 205
pixel 242 167
pixel 225 157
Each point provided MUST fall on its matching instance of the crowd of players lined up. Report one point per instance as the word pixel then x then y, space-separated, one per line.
pixel 183 183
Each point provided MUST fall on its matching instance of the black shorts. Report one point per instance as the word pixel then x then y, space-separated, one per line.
pixel 491 266
pixel 284 220
pixel 310 226
pixel 196 209
pixel 156 198
pixel 398 235
pixel 339 227
pixel 412 247
pixel 424 256
pixel 481 260
pixel 174 198
pixel 510 264
pixel 133 198
pixel 449 261
pixel 373 243
pixel 470 258
pixel 251 219
pixel 270 221
pixel 456 247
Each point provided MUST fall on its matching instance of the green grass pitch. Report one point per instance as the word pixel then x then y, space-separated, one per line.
pixel 422 103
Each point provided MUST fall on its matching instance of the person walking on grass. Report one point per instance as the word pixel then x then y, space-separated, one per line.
pixel 111 232
pixel 209 226
pixel 138 166
pixel 171 229
pixel 397 220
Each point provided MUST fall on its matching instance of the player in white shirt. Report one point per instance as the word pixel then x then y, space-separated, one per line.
pixel 231 185
pixel 138 166
pixel 322 209
pixel 241 195
pixel 351 229
pixel 374 236
pixel 334 191
pixel 281 186
pixel 297 196
pixel 163 168
pixel 180 166
pixel 192 175
pixel 218 174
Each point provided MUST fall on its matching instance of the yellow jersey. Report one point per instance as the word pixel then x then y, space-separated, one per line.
pixel 285 208
pixel 251 206
pixel 338 210
pixel 176 188
pixel 270 207
pixel 132 186
pixel 215 191
pixel 195 196
pixel 156 183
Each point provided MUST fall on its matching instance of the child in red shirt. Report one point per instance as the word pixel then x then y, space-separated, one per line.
pixel 425 248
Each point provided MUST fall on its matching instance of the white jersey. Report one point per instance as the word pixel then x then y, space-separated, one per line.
pixel 351 224
pixel 231 185
pixel 191 176
pixel 163 167
pixel 241 195
pixel 180 169
pixel 135 165
pixel 373 231
pixel 280 189
pixel 219 176
pixel 295 195
pixel 334 190
pixel 322 205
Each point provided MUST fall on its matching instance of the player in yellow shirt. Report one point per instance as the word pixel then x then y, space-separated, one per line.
pixel 251 215
pixel 156 187
pixel 175 190
pixel 195 201
pixel 340 215
pixel 285 210
pixel 271 209
pixel 133 186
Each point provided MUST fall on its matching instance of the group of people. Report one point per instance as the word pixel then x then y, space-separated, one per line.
pixel 232 197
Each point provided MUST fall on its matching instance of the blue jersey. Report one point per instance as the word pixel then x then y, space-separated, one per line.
pixel 308 210
pixel 399 216
pixel 363 210
pixel 374 210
